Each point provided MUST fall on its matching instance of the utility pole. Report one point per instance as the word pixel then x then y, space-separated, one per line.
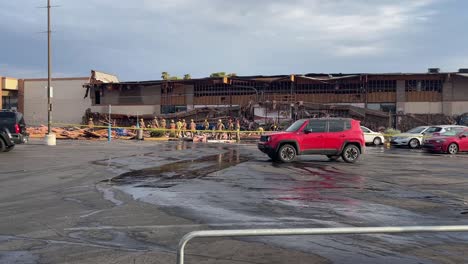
pixel 50 137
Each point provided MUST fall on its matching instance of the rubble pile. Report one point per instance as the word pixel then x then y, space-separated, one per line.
pixel 77 133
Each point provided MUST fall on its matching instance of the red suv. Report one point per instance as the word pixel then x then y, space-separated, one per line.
pixel 333 137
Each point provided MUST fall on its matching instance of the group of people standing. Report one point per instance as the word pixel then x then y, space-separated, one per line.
pixel 183 129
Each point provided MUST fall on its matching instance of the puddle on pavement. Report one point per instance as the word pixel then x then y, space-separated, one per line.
pixel 116 239
pixel 168 175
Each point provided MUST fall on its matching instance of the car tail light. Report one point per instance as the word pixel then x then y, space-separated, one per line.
pixel 17 129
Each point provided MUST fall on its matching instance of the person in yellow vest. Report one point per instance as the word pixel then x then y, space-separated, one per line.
pixel 193 127
pixel 141 130
pixel 261 130
pixel 179 128
pixel 155 123
pixel 184 128
pixel 91 124
pixel 220 127
pixel 172 126
pixel 206 125
pixel 238 127
pixel 163 125
pixel 230 128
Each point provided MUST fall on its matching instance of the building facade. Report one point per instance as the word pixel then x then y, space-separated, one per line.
pixel 68 102
pixel 402 93
pixel 9 90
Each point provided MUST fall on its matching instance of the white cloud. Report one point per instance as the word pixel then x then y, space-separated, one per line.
pixel 333 22
pixel 203 35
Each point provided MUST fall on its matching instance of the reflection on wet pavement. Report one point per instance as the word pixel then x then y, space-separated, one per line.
pixel 181 170
pixel 235 186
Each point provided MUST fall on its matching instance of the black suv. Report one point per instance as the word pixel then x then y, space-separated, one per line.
pixel 6 144
pixel 14 122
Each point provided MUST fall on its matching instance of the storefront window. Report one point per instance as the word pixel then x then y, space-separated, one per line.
pixel 9 102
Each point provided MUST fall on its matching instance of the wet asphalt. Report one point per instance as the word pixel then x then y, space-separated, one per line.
pixel 83 202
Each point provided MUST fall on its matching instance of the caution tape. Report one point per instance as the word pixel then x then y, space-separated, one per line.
pixel 188 130
pixel 163 129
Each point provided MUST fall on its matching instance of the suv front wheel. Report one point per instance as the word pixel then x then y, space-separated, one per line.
pixel 351 153
pixel 287 153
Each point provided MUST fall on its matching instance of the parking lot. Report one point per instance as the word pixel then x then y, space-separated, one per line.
pixel 131 202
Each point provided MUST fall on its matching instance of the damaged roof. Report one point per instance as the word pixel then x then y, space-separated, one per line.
pixel 100 78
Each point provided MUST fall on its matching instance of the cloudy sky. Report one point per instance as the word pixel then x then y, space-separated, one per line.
pixel 138 39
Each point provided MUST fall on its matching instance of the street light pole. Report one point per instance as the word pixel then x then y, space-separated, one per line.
pixel 50 137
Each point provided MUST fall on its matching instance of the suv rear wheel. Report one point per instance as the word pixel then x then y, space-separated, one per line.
pixel 287 153
pixel 2 145
pixel 351 153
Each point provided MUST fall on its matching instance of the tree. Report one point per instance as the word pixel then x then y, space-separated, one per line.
pixel 232 74
pixel 165 76
pixel 187 76
pixel 174 78
pixel 218 74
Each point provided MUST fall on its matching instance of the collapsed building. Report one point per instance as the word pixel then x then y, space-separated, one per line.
pixel 387 100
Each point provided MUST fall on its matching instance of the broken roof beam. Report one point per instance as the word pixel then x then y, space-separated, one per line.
pixel 101 77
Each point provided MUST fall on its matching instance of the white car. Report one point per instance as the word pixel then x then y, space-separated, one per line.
pixel 373 137
pixel 437 130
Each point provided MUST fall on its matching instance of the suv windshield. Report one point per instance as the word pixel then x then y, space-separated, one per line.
pixel 416 130
pixel 295 126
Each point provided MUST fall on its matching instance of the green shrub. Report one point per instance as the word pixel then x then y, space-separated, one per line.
pixel 156 134
pixel 392 131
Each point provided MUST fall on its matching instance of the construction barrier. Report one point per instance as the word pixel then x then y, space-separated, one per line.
pixel 164 129
pixel 186 130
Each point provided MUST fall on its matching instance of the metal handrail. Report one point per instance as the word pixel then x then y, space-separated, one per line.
pixel 311 231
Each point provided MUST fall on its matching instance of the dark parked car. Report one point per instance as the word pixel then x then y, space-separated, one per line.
pixel 6 143
pixel 463 120
pixel 14 122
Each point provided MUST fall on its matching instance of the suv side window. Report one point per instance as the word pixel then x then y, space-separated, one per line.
pixel 347 125
pixel 335 125
pixel 317 126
